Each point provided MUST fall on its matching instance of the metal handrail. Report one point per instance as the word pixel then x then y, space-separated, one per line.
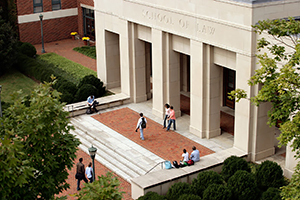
pixel 156 166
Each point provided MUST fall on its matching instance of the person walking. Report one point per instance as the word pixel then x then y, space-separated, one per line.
pixel 141 125
pixel 167 114
pixel 172 119
pixel 80 173
pixel 89 172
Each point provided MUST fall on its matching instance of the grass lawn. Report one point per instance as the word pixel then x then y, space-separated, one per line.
pixel 13 81
pixel 73 68
pixel 87 50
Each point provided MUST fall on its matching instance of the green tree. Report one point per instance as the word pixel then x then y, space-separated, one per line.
pixel 279 80
pixel 42 127
pixel 8 45
pixel 105 188
pixel 14 166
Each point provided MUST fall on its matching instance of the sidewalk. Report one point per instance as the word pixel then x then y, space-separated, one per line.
pixel 65 48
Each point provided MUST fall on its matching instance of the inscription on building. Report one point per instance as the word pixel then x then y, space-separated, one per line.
pixel 182 23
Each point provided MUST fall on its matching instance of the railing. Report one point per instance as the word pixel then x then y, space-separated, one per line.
pixel 156 166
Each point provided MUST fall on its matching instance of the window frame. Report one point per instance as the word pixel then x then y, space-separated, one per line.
pixel 56 2
pixel 37 5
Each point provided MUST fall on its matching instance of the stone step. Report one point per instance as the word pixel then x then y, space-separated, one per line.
pixel 119 154
pixel 107 160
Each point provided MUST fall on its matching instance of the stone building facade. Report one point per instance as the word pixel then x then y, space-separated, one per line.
pixel 159 49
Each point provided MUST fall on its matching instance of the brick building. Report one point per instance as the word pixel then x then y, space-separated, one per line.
pixel 60 18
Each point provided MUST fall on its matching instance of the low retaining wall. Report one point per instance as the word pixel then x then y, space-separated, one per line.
pixel 79 108
pixel 160 181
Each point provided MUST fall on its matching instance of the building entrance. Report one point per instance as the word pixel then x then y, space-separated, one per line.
pixel 88 23
pixel 228 86
pixel 185 84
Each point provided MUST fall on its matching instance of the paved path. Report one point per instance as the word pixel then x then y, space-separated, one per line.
pixel 65 49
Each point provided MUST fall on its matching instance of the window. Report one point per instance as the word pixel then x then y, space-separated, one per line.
pixel 56 5
pixel 37 6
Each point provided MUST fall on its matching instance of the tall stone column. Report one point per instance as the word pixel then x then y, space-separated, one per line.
pixel 124 57
pixel 290 162
pixel 138 66
pixel 251 132
pixel 100 45
pixel 205 92
pixel 158 63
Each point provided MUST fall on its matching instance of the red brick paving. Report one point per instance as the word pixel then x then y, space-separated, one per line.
pixel 100 170
pixel 65 48
pixel 167 145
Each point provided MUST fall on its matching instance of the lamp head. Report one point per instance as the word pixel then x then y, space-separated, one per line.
pixel 41 17
pixel 92 151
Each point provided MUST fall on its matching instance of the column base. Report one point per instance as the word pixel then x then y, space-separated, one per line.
pixel 262 154
pixel 288 173
pixel 158 113
pixel 197 132
pixel 139 99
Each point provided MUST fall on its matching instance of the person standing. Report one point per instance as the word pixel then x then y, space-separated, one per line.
pixel 80 173
pixel 172 119
pixel 141 125
pixel 89 172
pixel 195 155
pixel 167 114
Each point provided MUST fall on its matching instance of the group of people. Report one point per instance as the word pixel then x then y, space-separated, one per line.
pixel 195 155
pixel 170 117
pixel 81 172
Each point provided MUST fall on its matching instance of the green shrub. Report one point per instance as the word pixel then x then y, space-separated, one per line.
pixel 85 91
pixel 217 192
pixel 203 180
pixel 73 69
pixel 67 97
pixel 87 50
pixel 233 164
pixel 189 197
pixel 91 79
pixel 178 189
pixel 269 174
pixel 68 87
pixel 271 194
pixel 27 49
pixel 151 196
pixel 243 186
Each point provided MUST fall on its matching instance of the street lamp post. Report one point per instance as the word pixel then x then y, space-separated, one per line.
pixel 41 19
pixel 0 101
pixel 93 151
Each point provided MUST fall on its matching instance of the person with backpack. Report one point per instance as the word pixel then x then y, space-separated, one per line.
pixel 141 125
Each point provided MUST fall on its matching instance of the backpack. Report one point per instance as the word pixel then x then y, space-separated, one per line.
pixel 143 124
pixel 88 111
pixel 168 164
pixel 175 164
pixel 190 162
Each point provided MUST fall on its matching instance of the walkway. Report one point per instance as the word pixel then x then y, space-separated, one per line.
pixel 65 48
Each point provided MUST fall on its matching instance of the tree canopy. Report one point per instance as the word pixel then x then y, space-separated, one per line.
pixel 279 58
pixel 37 147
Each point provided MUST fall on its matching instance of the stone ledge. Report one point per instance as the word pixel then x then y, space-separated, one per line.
pixel 159 181
pixel 79 108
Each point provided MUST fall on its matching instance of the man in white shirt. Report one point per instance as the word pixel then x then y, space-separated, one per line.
pixel 195 155
pixel 89 172
pixel 141 125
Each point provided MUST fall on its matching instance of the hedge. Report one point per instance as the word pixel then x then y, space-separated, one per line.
pixel 232 164
pixel 178 189
pixel 74 69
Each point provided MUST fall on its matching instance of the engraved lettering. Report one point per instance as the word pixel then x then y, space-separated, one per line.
pixel 204 29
